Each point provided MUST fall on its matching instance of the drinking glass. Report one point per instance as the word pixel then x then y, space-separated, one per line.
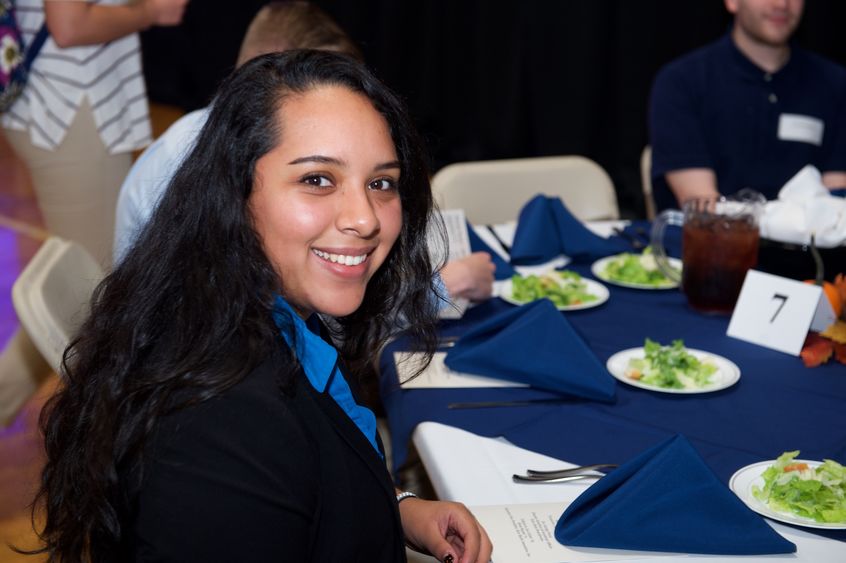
pixel 719 245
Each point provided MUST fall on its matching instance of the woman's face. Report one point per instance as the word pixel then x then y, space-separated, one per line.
pixel 325 202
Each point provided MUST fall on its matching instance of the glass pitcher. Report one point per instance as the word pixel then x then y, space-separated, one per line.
pixel 719 245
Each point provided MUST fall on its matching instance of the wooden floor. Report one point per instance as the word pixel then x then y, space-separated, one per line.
pixel 21 459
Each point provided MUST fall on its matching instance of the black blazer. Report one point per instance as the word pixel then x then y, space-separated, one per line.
pixel 256 475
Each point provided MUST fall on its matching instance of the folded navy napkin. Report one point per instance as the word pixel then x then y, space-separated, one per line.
pixel 667 499
pixel 504 270
pixel 533 344
pixel 546 229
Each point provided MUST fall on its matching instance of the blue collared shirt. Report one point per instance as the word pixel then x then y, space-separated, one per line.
pixel 320 364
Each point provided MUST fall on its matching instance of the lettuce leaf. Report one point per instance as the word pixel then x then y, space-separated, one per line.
pixel 670 367
pixel 818 494
pixel 563 288
pixel 637 269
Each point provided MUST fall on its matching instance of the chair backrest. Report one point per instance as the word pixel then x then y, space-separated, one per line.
pixel 494 191
pixel 646 181
pixel 52 295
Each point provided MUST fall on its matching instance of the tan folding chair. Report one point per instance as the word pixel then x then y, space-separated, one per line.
pixel 494 191
pixel 646 181
pixel 52 295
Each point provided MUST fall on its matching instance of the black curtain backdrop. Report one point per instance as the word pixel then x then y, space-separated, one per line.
pixel 487 80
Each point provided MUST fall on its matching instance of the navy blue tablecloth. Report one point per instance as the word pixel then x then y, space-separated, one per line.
pixel 778 404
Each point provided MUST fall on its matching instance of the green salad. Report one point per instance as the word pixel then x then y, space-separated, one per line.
pixel 641 269
pixel 670 367
pixel 797 488
pixel 564 288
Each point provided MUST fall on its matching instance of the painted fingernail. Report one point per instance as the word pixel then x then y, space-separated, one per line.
pixel 448 558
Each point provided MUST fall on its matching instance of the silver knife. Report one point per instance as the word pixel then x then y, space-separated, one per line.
pixel 516 403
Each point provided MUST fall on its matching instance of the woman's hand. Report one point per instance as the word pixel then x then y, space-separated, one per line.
pixel 445 529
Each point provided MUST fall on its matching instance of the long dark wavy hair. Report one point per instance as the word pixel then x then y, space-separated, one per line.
pixel 188 312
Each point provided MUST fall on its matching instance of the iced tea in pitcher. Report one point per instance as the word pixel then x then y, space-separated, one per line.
pixel 719 245
pixel 717 251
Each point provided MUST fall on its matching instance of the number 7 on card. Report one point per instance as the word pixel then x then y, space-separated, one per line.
pixel 777 312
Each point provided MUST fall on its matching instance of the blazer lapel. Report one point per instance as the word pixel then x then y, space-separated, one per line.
pixel 352 435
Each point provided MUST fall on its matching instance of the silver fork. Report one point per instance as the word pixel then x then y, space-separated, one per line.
pixel 562 472
pixel 560 479
pixel 563 475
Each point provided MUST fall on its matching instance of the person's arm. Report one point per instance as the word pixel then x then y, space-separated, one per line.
pixel 833 164
pixel 692 183
pixel 73 23
pixel 470 277
pixel 445 529
pixel 682 165
pixel 834 180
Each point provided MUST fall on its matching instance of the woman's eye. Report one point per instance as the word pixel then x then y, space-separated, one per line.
pixel 317 181
pixel 383 184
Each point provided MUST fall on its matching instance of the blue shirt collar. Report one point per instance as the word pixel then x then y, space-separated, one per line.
pixel 319 361
pixel 317 356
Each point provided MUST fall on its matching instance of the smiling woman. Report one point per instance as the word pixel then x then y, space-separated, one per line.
pixel 206 415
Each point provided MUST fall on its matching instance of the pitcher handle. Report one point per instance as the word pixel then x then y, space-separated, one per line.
pixel 659 225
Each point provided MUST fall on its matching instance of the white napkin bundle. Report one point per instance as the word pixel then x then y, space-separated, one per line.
pixel 805 206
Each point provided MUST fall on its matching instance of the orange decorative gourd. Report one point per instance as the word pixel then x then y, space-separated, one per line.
pixel 833 293
pixel 840 286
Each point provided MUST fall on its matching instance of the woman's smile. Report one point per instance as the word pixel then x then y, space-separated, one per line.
pixel 345 258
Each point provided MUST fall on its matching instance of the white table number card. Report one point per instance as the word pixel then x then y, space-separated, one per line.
pixel 777 312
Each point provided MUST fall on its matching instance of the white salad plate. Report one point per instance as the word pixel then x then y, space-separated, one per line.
pixel 506 292
pixel 727 373
pixel 598 270
pixel 744 479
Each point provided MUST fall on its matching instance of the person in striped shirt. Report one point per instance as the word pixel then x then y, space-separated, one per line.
pixel 84 109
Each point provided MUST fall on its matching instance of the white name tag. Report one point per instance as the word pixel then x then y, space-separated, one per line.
pixel 777 312
pixel 802 128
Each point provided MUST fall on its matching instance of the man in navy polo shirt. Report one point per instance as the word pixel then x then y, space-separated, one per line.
pixel 749 110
